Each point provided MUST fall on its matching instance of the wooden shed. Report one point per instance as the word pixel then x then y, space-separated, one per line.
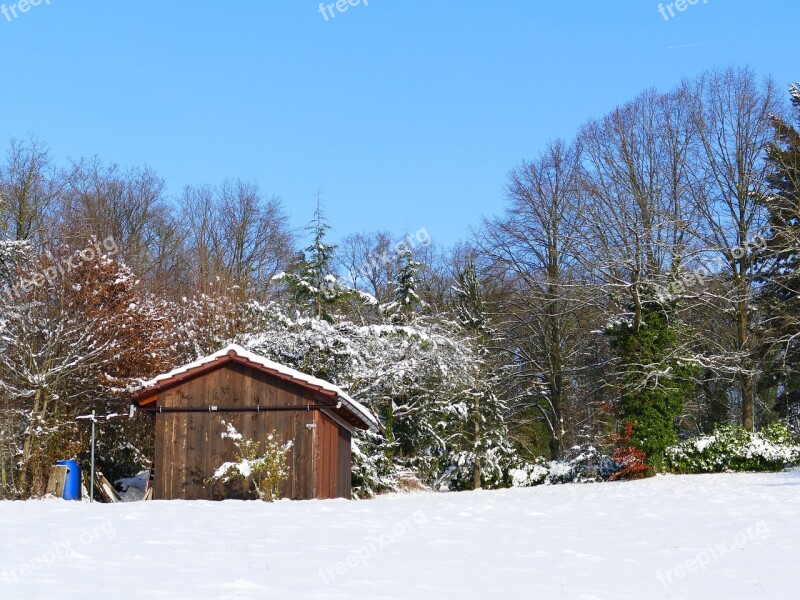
pixel 257 396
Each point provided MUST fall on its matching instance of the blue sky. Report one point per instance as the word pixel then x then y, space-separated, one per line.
pixel 406 114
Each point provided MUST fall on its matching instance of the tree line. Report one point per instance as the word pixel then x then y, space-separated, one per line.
pixel 642 278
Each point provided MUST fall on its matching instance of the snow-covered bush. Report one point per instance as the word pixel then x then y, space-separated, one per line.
pixel 419 379
pixel 372 472
pixel 263 467
pixel 792 421
pixel 530 474
pixel 67 348
pixel 586 464
pixel 732 448
pixel 460 475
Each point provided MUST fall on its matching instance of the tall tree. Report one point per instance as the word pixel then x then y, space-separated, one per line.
pixel 779 261
pixel 28 187
pixel 405 286
pixel 129 205
pixel 534 247
pixel 487 410
pixel 636 181
pixel 312 280
pixel 731 116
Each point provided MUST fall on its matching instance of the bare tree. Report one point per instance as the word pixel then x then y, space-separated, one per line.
pixel 28 186
pixel 636 182
pixel 101 201
pixel 256 241
pixel 236 236
pixel 367 261
pixel 731 111
pixel 638 233
pixel 534 246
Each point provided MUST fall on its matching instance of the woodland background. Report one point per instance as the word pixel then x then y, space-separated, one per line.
pixel 640 288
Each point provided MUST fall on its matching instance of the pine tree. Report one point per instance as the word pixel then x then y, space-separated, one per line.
pixel 313 283
pixel 405 288
pixel 779 262
pixel 487 418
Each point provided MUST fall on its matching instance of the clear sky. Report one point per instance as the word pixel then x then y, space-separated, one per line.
pixel 405 113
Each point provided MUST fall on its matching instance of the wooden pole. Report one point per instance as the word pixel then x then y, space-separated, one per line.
pixel 91 480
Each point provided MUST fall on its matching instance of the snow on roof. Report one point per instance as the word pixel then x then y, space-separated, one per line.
pixel 353 406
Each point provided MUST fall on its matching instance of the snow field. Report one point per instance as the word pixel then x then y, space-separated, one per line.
pixel 680 537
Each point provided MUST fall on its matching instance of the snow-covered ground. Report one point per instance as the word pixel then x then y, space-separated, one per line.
pixel 707 536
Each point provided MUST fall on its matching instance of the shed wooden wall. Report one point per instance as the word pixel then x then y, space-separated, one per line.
pixel 333 474
pixel 190 447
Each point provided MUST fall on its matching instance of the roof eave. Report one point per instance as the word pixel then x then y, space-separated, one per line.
pixel 231 356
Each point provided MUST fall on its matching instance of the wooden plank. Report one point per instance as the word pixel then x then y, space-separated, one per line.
pixel 201 468
pixel 107 491
pixel 190 488
pixel 328 449
pixel 163 489
pixel 177 443
pixel 57 481
pixel 345 463
pixel 234 395
pixel 159 458
pixel 214 454
pixel 323 459
pixel 194 456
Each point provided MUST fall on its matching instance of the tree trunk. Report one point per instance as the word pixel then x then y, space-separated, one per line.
pixel 477 466
pixel 748 403
pixel 26 446
pixel 388 430
pixel 747 383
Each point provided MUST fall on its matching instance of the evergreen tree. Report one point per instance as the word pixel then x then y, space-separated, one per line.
pixel 489 432
pixel 405 287
pixel 654 380
pixel 779 262
pixel 313 284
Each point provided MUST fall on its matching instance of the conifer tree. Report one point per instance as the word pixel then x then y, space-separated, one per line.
pixel 655 379
pixel 406 298
pixel 473 317
pixel 313 284
pixel 779 261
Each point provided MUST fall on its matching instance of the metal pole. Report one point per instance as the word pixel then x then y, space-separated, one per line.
pixel 91 481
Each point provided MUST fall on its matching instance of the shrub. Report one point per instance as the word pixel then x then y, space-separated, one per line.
pixel 529 475
pixel 585 465
pixel 264 469
pixel 460 474
pixel 630 461
pixel 372 471
pixel 732 448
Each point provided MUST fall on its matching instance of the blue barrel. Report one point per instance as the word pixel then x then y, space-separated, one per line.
pixel 72 485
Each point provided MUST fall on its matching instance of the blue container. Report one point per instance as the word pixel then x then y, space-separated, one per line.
pixel 72 486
